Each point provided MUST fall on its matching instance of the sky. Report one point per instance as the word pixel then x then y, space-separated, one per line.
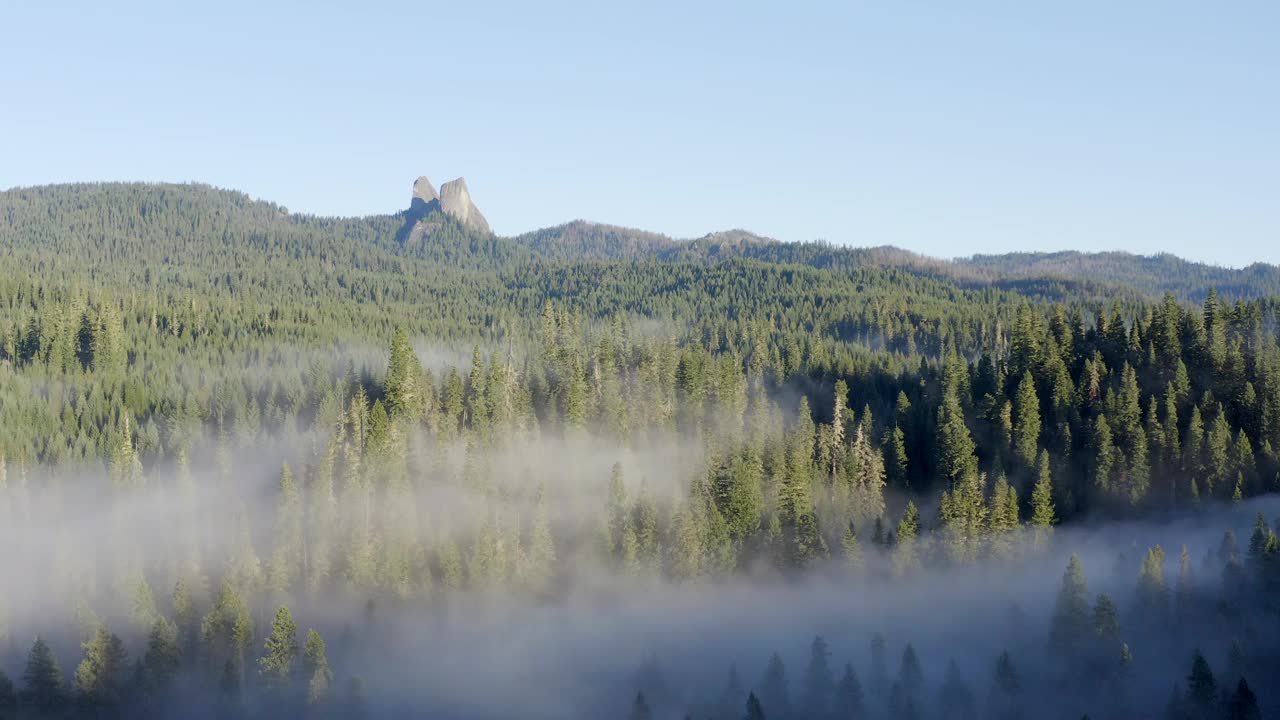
pixel 946 128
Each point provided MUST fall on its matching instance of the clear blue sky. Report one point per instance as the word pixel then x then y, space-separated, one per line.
pixel 944 127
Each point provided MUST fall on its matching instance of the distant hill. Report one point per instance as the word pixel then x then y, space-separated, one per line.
pixel 1152 275
pixel 188 226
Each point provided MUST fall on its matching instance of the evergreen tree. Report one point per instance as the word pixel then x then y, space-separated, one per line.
pixel 754 710
pixel 905 558
pixel 852 555
pixel 42 692
pixel 956 448
pixel 8 698
pixel 315 667
pixel 773 688
pixel 404 373
pixel 163 658
pixel 1006 690
pixel 848 696
pixel 1243 704
pixel 279 651
pixel 879 666
pixel 101 678
pixel 1153 592
pixel 818 681
pixel 1070 622
pixel 1026 425
pixel 286 562
pixel 1042 509
pixel 1106 620
pixel 1202 692
pixel 910 675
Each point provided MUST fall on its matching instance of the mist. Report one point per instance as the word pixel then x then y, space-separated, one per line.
pixel 593 636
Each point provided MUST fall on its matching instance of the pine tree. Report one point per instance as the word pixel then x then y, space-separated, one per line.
pixel 1003 518
pixel 852 550
pixel 1042 509
pixel 818 681
pixel 1243 704
pixel 1184 591
pixel 315 667
pixel 910 675
pixel 286 562
pixel 185 616
pixel 1070 623
pixel 963 513
pixel 1202 691
pixel 101 678
pixel 163 658
pixel 905 558
pixel 1106 620
pixel 879 667
pixel 404 374
pixel 279 651
pixel 1026 425
pixel 1153 592
pixel 754 710
pixel 1103 454
pixel 897 460
pixel 1006 690
pixel 8 698
pixel 849 696
pixel 956 448
pixel 42 691
pixel 773 688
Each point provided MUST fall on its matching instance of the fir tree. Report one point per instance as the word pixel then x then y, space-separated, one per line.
pixel 848 696
pixel 279 651
pixel 1026 425
pixel 818 681
pixel 315 667
pixel 1006 690
pixel 163 658
pixel 1106 620
pixel 1243 704
pixel 773 688
pixel 1042 510
pixel 42 691
pixel 1202 692
pixel 1070 621
pixel 101 678
pixel 8 698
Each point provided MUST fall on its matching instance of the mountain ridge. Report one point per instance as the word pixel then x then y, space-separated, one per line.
pixel 581 240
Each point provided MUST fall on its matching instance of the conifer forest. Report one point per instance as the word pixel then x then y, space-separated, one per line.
pixel 259 464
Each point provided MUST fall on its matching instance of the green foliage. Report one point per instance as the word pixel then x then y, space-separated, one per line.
pixel 280 650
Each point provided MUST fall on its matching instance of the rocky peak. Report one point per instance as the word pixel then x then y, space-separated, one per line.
pixel 424 191
pixel 455 200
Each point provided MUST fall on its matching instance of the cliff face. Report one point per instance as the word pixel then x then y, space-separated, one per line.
pixel 455 200
pixel 423 190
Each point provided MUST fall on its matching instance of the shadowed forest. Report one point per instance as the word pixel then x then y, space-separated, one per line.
pixel 257 464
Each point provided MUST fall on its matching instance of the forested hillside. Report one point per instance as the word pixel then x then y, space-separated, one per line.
pixel 215 414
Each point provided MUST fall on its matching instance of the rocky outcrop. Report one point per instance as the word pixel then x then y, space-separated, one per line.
pixel 455 200
pixel 424 191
